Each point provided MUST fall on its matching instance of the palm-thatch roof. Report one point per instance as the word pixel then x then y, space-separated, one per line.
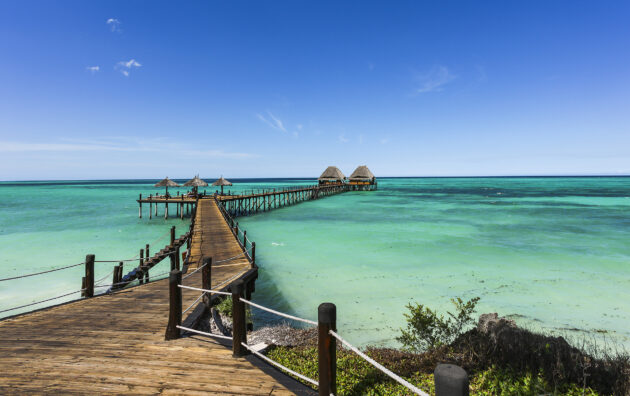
pixel 166 183
pixel 221 182
pixel 332 173
pixel 195 182
pixel 362 173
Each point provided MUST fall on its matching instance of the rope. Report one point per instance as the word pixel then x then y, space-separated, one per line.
pixel 288 370
pixel 379 366
pixel 204 333
pixel 39 273
pixel 39 302
pixel 194 302
pixel 278 313
pixel 206 290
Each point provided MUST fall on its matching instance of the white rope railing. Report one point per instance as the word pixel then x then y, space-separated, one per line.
pixel 205 290
pixel 288 370
pixel 42 301
pixel 39 273
pixel 194 302
pixel 278 313
pixel 204 333
pixel 379 366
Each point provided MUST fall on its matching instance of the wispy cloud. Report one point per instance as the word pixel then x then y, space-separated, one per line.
pixel 114 25
pixel 93 69
pixel 125 67
pixel 272 121
pixel 434 80
pixel 384 140
pixel 343 139
pixel 123 144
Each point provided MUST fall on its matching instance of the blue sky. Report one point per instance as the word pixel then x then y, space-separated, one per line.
pixel 139 89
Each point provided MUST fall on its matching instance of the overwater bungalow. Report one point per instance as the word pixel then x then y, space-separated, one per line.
pixel 363 179
pixel 332 175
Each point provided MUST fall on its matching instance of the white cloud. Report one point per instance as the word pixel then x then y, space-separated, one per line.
pixel 434 80
pixel 384 140
pixel 93 69
pixel 299 127
pixel 126 67
pixel 126 144
pixel 343 139
pixel 114 25
pixel 273 121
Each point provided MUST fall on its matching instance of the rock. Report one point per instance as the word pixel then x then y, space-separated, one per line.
pixel 490 322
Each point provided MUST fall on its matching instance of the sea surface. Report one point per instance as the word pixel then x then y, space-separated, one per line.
pixel 551 253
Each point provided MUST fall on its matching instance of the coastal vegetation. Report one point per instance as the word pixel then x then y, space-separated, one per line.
pixel 500 358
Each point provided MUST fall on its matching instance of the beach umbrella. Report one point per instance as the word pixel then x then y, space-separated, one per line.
pixel 166 182
pixel 195 182
pixel 221 182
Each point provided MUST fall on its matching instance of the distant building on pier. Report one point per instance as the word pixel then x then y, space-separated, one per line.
pixel 363 178
pixel 332 175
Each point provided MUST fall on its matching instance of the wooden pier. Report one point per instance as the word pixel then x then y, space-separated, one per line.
pixel 115 342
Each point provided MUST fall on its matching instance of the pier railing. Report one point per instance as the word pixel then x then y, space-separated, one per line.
pixel 90 286
pixel 448 380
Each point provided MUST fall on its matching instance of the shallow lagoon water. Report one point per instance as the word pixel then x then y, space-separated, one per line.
pixel 553 253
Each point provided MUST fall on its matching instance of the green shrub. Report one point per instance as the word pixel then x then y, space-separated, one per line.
pixel 427 330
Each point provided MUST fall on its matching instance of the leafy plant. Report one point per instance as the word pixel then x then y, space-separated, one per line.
pixel 427 330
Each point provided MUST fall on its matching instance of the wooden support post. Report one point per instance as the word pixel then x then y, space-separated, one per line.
pixel 173 261
pixel 181 210
pixel 253 254
pixel 150 210
pixel 172 236
pixel 89 276
pixel 177 258
pixel 450 380
pixel 141 267
pixel 239 325
pixel 177 209
pixel 115 276
pixel 175 305
pixel 166 209
pixel 83 287
pixel 146 265
pixel 120 271
pixel 206 278
pixel 140 202
pixel 245 239
pixel 327 349
pixel 156 205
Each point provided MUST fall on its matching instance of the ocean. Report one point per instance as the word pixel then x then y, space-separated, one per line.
pixel 551 253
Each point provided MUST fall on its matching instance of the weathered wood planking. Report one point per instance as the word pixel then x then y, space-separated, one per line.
pixel 115 343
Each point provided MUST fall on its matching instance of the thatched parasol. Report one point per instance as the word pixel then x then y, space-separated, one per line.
pixel 166 183
pixel 221 182
pixel 362 173
pixel 195 182
pixel 332 173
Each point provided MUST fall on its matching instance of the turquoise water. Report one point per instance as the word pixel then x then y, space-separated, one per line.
pixel 553 253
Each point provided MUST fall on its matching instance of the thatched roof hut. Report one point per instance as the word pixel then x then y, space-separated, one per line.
pixel 166 182
pixel 195 182
pixel 222 182
pixel 362 173
pixel 332 174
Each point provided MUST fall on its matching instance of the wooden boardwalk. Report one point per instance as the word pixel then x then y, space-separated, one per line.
pixel 115 343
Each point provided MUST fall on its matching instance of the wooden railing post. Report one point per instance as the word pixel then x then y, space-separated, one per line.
pixel 141 267
pixel 146 266
pixel 206 277
pixel 450 380
pixel 171 256
pixel 239 326
pixel 175 305
pixel 244 239
pixel 327 349
pixel 172 235
pixel 89 276
pixel 254 253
